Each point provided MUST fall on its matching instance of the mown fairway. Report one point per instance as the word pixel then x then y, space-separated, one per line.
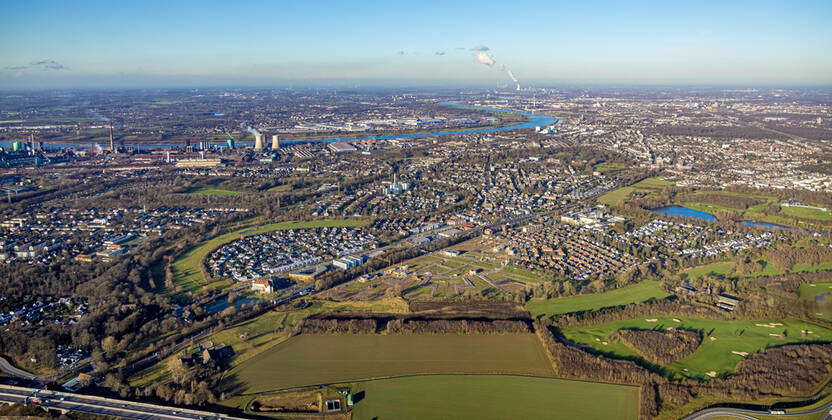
pixel 634 293
pixel 720 339
pixel 186 269
pixel 820 295
pixel 310 359
pixel 807 213
pixel 493 397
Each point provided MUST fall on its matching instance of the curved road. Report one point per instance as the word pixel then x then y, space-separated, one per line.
pixel 10 370
pixel 711 413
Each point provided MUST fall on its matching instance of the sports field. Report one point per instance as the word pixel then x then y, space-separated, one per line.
pixel 721 338
pixel 186 269
pixel 493 397
pixel 310 359
pixel 638 292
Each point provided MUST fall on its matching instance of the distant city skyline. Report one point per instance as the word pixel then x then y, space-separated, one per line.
pixel 98 44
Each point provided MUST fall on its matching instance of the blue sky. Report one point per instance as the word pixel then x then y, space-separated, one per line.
pixel 55 43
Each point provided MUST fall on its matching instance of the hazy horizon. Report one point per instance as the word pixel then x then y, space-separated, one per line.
pixel 92 44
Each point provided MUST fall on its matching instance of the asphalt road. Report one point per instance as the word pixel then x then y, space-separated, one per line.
pixel 712 413
pixel 100 405
pixel 10 370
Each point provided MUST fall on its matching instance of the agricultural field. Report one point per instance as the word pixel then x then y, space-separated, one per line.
pixel 209 191
pixel 721 338
pixel 438 275
pixel 310 359
pixel 638 292
pixel 618 196
pixel 492 397
pixel 820 296
pixel 256 335
pixel 187 272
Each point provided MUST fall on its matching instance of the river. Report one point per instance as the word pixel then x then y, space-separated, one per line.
pixel 535 120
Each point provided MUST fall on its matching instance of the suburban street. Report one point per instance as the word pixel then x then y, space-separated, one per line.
pixel 100 405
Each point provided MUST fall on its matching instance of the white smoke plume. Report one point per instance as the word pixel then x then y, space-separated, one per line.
pixel 510 75
pixel 253 131
pixel 485 58
pixel 99 116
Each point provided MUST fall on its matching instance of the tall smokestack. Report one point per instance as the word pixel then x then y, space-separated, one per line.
pixel 275 142
pixel 112 146
pixel 258 141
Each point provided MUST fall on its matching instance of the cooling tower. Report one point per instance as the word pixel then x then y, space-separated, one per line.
pixel 258 142
pixel 275 142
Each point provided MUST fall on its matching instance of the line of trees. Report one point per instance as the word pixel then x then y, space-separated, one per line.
pixel 396 324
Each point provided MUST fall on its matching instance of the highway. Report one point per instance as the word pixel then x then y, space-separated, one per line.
pixel 736 413
pixel 101 405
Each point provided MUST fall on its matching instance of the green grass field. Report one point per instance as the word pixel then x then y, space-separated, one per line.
pixel 628 294
pixel 714 354
pixel 616 197
pixel 806 213
pixel 209 191
pixel 493 397
pixel 310 359
pixel 186 269
pixel 821 295
pixel 722 267
pixel 725 268
pixel 609 166
pixel 786 215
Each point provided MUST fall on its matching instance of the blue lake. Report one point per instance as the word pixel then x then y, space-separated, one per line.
pixel 535 120
pixel 763 225
pixel 685 212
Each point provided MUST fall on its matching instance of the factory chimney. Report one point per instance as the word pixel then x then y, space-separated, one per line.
pixel 275 142
pixel 258 141
pixel 112 146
